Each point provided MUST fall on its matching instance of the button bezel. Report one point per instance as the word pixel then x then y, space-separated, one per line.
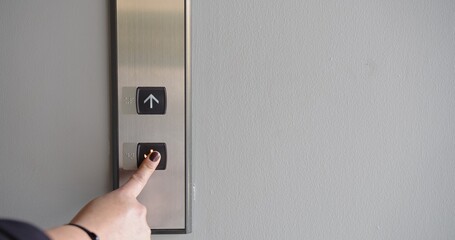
pixel 144 148
pixel 151 94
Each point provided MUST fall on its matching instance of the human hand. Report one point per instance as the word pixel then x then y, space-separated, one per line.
pixel 116 215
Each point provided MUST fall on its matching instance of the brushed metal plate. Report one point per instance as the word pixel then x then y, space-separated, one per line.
pixel 150 48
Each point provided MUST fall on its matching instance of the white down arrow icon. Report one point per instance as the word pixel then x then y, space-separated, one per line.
pixel 151 98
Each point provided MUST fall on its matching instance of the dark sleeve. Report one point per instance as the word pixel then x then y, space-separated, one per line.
pixel 16 230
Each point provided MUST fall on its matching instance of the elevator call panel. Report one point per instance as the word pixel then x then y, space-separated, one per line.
pixel 152 105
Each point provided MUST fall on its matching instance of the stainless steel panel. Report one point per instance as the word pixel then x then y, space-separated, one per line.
pixel 153 50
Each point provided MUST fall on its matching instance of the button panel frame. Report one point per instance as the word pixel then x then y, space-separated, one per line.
pixel 150 47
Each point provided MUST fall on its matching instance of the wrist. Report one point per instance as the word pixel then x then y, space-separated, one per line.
pixel 89 233
pixel 67 232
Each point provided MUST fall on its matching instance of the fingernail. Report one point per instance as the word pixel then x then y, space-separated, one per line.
pixel 145 155
pixel 155 156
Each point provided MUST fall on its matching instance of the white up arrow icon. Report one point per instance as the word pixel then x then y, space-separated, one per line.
pixel 151 98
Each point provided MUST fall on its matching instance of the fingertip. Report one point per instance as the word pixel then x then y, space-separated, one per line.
pixel 151 162
pixel 155 157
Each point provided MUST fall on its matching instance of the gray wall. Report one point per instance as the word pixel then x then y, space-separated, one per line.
pixel 312 119
pixel 54 107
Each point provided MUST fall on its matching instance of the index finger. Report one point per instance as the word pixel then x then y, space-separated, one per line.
pixel 139 179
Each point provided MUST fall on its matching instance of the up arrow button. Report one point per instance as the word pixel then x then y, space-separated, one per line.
pixel 151 100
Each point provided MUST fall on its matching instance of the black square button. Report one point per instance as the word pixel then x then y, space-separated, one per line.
pixel 144 148
pixel 151 100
